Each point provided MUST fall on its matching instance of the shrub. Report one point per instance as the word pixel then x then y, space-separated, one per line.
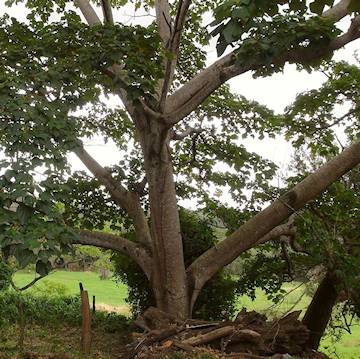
pixel 5 275
pixel 217 299
pixel 54 310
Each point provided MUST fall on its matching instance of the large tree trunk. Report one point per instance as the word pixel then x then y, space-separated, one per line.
pixel 318 314
pixel 168 277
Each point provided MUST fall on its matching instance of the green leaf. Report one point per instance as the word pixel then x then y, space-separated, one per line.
pixel 231 31
pixel 9 174
pixel 42 268
pixel 241 13
pixel 297 5
pixel 317 6
pixel 25 257
pixel 24 213
pixel 221 47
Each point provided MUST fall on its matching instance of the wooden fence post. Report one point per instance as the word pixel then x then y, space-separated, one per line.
pixel 86 322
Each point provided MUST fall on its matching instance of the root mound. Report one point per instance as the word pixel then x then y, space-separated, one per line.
pixel 250 335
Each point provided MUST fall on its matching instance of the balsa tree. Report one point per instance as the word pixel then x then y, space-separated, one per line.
pixel 175 122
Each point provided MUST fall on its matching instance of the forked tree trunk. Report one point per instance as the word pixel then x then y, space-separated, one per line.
pixel 318 313
pixel 168 278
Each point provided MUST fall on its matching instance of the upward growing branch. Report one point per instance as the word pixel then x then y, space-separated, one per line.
pixel 172 45
pixel 107 11
pixel 88 11
pixel 163 20
pixel 339 10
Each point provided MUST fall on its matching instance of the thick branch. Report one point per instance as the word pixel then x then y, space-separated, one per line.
pixel 193 93
pixel 286 229
pixel 352 34
pixel 88 12
pixel 116 243
pixel 118 192
pixel 248 235
pixel 338 11
pixel 107 11
pixel 163 20
pixel 129 201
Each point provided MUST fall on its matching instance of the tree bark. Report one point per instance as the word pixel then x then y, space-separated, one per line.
pixel 318 313
pixel 168 276
pixel 88 12
pixel 339 10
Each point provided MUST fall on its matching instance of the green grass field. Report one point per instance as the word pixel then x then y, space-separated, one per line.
pixel 106 291
pixel 110 293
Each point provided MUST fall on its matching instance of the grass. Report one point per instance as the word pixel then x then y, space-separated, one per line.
pixel 346 347
pixel 113 294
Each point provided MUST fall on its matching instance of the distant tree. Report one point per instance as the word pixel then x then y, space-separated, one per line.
pixel 176 122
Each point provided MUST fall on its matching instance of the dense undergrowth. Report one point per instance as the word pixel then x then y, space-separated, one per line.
pixel 54 310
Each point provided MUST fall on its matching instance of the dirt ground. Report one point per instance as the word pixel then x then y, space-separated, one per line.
pixel 62 341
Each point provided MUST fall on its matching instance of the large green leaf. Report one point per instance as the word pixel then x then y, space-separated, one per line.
pixel 24 213
pixel 43 268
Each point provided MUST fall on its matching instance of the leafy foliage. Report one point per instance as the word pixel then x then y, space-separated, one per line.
pixel 41 87
pixel 54 310
pixel 5 275
pixel 248 19
pixel 262 44
pixel 316 116
pixel 88 206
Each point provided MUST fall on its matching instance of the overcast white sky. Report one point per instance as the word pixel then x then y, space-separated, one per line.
pixel 276 92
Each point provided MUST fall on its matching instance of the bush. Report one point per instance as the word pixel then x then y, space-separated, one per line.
pixel 54 310
pixel 217 299
pixel 5 275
